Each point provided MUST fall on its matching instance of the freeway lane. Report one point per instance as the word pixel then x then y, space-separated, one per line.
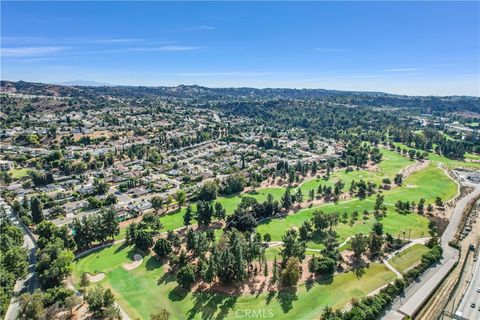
pixel 465 311
pixel 418 293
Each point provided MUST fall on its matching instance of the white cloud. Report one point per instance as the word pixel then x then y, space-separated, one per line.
pixel 200 27
pixel 165 48
pixel 242 74
pixel 331 49
pixel 402 69
pixel 30 51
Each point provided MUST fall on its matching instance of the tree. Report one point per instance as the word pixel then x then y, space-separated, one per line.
pixel 378 228
pixel 162 315
pixel 220 212
pixel 187 217
pixel 37 210
pixel 101 303
pixel 359 245
pixel 375 244
pixel 429 208
pixel 143 240
pixel 211 269
pixel 181 197
pixel 204 213
pixel 291 274
pixel 267 237
pixel 242 220
pixel 322 266
pixel 71 302
pixel 31 307
pixel 109 224
pixel 299 196
pixel 157 203
pixel 186 276
pixel 162 248
pixel 14 261
pixel 398 179
pixel 54 263
pixel 292 247
pixel 286 199
pixel 84 282
pixel 274 271
pixel 208 191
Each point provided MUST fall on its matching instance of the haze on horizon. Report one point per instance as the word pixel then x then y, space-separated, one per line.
pixel 428 48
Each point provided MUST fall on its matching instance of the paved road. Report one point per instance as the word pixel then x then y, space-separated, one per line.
pixel 30 283
pixel 471 296
pixel 416 294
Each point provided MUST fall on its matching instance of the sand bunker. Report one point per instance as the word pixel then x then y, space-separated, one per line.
pixel 96 277
pixel 137 261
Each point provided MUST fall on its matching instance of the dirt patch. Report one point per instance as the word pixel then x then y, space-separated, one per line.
pixel 96 277
pixel 137 261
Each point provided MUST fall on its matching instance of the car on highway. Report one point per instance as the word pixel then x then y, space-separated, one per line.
pixel 478 290
pixel 472 305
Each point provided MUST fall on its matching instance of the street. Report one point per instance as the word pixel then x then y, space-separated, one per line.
pixel 30 283
pixel 417 293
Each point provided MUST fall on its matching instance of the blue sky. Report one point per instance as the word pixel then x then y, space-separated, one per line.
pixel 427 48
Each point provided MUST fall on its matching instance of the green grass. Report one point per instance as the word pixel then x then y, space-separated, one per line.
pixel 392 163
pixel 471 156
pixel 427 183
pixel 451 163
pixel 19 173
pixel 148 289
pixel 409 258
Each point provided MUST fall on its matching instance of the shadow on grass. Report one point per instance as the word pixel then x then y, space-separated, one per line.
pixel 211 305
pixel 285 298
pixel 153 263
pixel 271 294
pixel 166 278
pixel 121 247
pixel 177 294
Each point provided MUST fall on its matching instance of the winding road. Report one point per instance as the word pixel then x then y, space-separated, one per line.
pixel 30 283
pixel 417 293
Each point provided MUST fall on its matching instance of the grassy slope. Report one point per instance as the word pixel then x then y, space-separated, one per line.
pixel 408 258
pixel 451 163
pixel 428 183
pixel 147 289
pixel 392 163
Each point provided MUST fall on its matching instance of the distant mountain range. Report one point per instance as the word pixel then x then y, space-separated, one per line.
pixel 198 94
pixel 85 83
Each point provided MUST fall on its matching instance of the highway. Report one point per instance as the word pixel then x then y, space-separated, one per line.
pixel 30 283
pixel 465 310
pixel 417 293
